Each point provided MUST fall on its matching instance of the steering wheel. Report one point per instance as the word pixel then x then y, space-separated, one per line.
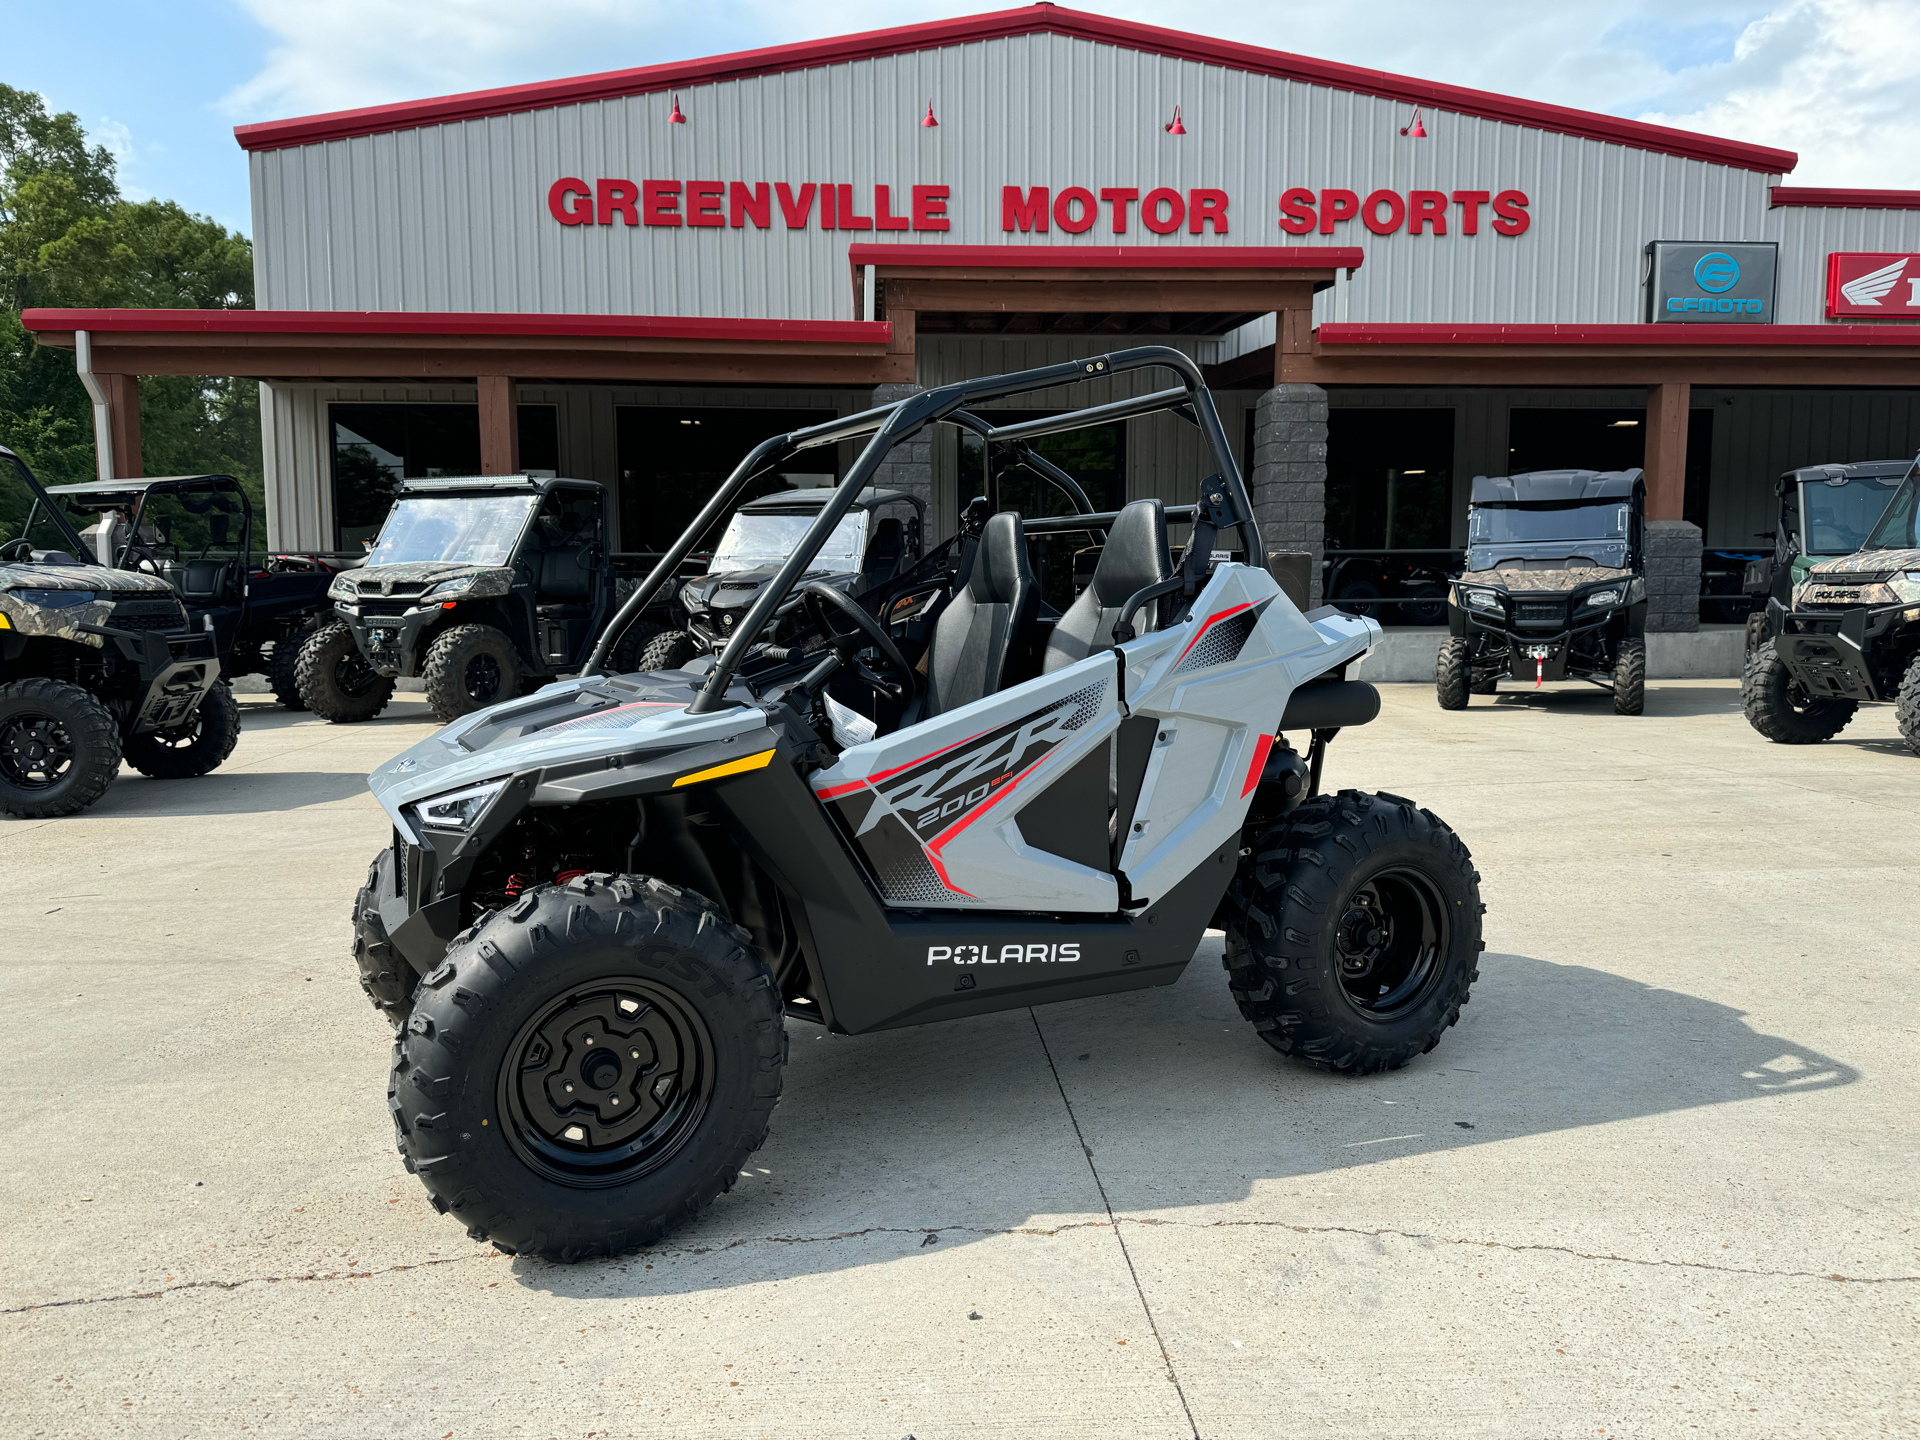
pixel 17 549
pixel 819 598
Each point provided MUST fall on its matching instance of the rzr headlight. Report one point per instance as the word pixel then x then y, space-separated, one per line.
pixel 1481 599
pixel 457 810
pixel 1605 597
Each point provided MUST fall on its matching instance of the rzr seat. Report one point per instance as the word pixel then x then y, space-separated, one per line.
pixel 1134 557
pixel 884 551
pixel 979 628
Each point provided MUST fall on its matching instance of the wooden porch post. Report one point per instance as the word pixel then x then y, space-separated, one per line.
pixel 123 423
pixel 499 426
pixel 1666 459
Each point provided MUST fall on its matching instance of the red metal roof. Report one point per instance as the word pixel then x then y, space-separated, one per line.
pixel 435 322
pixel 1780 195
pixel 1029 20
pixel 1337 333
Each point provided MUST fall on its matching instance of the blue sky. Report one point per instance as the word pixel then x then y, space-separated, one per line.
pixel 1839 81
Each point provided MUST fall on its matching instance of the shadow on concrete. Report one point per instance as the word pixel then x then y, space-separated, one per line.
pixel 224 793
pixel 958 1130
pixel 1664 698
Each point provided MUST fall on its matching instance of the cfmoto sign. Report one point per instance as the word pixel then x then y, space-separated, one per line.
pixel 1701 281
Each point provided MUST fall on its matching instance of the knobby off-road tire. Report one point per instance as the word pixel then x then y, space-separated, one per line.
pixel 1778 708
pixel 1631 677
pixel 283 667
pixel 469 667
pixel 386 978
pixel 59 748
pixel 670 650
pixel 193 749
pixel 523 1008
pixel 1755 635
pixel 1907 704
pixel 334 680
pixel 1452 674
pixel 624 658
pixel 1354 932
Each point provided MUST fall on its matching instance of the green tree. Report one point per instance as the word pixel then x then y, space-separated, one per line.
pixel 68 238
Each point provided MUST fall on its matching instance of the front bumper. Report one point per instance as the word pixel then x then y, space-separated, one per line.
pixel 180 668
pixel 1826 651
pixel 390 643
pixel 1537 650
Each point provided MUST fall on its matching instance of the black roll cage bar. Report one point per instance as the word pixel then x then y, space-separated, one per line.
pixel 61 520
pixel 889 425
pixel 141 488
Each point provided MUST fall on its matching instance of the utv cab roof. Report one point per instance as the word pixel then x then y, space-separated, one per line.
pixel 485 484
pixel 807 502
pixel 1549 486
pixel 1839 474
pixel 88 494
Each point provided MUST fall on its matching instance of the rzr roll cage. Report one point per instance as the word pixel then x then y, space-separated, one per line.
pixel 1224 496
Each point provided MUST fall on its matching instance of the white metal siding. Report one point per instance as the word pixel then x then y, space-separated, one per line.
pixel 454 217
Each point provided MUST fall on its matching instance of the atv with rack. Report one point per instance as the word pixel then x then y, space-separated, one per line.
pixel 97 665
pixel 181 528
pixel 602 903
pixel 482 585
pixel 1850 636
pixel 1553 588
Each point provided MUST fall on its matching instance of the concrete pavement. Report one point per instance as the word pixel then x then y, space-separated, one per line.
pixel 1661 1179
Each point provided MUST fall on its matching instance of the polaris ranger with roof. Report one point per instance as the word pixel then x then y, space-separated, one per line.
pixel 480 585
pixel 181 528
pixel 97 665
pixel 1553 588
pixel 601 902
pixel 1851 636
pixel 1826 511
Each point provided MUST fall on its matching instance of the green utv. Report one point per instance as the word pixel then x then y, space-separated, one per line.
pixel 1849 635
pixel 482 586
pixel 602 905
pixel 97 665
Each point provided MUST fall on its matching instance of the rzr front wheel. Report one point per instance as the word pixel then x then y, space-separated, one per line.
pixel 589 1068
pixel 1354 932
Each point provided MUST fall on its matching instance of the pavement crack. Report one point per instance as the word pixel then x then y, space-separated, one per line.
pixel 1107 1205
pixel 1519 1246
pixel 217 1285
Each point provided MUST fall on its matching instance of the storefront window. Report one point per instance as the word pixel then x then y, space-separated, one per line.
pixel 673 459
pixel 1591 438
pixel 1390 478
pixel 378 446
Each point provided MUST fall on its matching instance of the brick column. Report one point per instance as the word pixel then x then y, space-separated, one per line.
pixel 1673 575
pixel 909 466
pixel 1289 483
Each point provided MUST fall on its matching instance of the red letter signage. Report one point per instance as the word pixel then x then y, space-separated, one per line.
pixel 570 201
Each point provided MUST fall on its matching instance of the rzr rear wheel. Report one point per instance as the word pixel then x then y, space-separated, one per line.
pixel 589 1068
pixel 1354 932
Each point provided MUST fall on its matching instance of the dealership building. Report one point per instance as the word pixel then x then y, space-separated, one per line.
pixel 1393 285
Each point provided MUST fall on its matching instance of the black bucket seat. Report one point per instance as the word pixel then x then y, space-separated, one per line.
pixel 981 627
pixel 1134 558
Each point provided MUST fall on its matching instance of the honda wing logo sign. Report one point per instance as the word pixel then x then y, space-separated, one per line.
pixel 1719 283
pixel 1873 286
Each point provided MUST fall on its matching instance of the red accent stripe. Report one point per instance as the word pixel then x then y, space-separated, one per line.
pixel 439 322
pixel 1218 615
pixel 896 770
pixel 1261 748
pixel 832 792
pixel 1028 20
pixel 1646 336
pixel 935 846
pixel 1829 199
pixel 1112 257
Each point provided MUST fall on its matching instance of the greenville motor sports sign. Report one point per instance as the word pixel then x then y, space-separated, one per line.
pixel 1074 209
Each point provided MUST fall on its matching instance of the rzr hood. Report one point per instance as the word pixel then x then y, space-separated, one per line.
pixel 582 726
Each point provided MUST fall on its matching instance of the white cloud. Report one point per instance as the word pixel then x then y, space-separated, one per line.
pixel 1836 80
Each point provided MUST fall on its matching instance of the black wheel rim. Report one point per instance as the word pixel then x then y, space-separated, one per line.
pixel 180 737
pixel 482 678
pixel 353 676
pixel 606 1083
pixel 36 751
pixel 1391 942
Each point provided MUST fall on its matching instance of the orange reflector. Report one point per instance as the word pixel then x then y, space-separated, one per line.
pixel 729 768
